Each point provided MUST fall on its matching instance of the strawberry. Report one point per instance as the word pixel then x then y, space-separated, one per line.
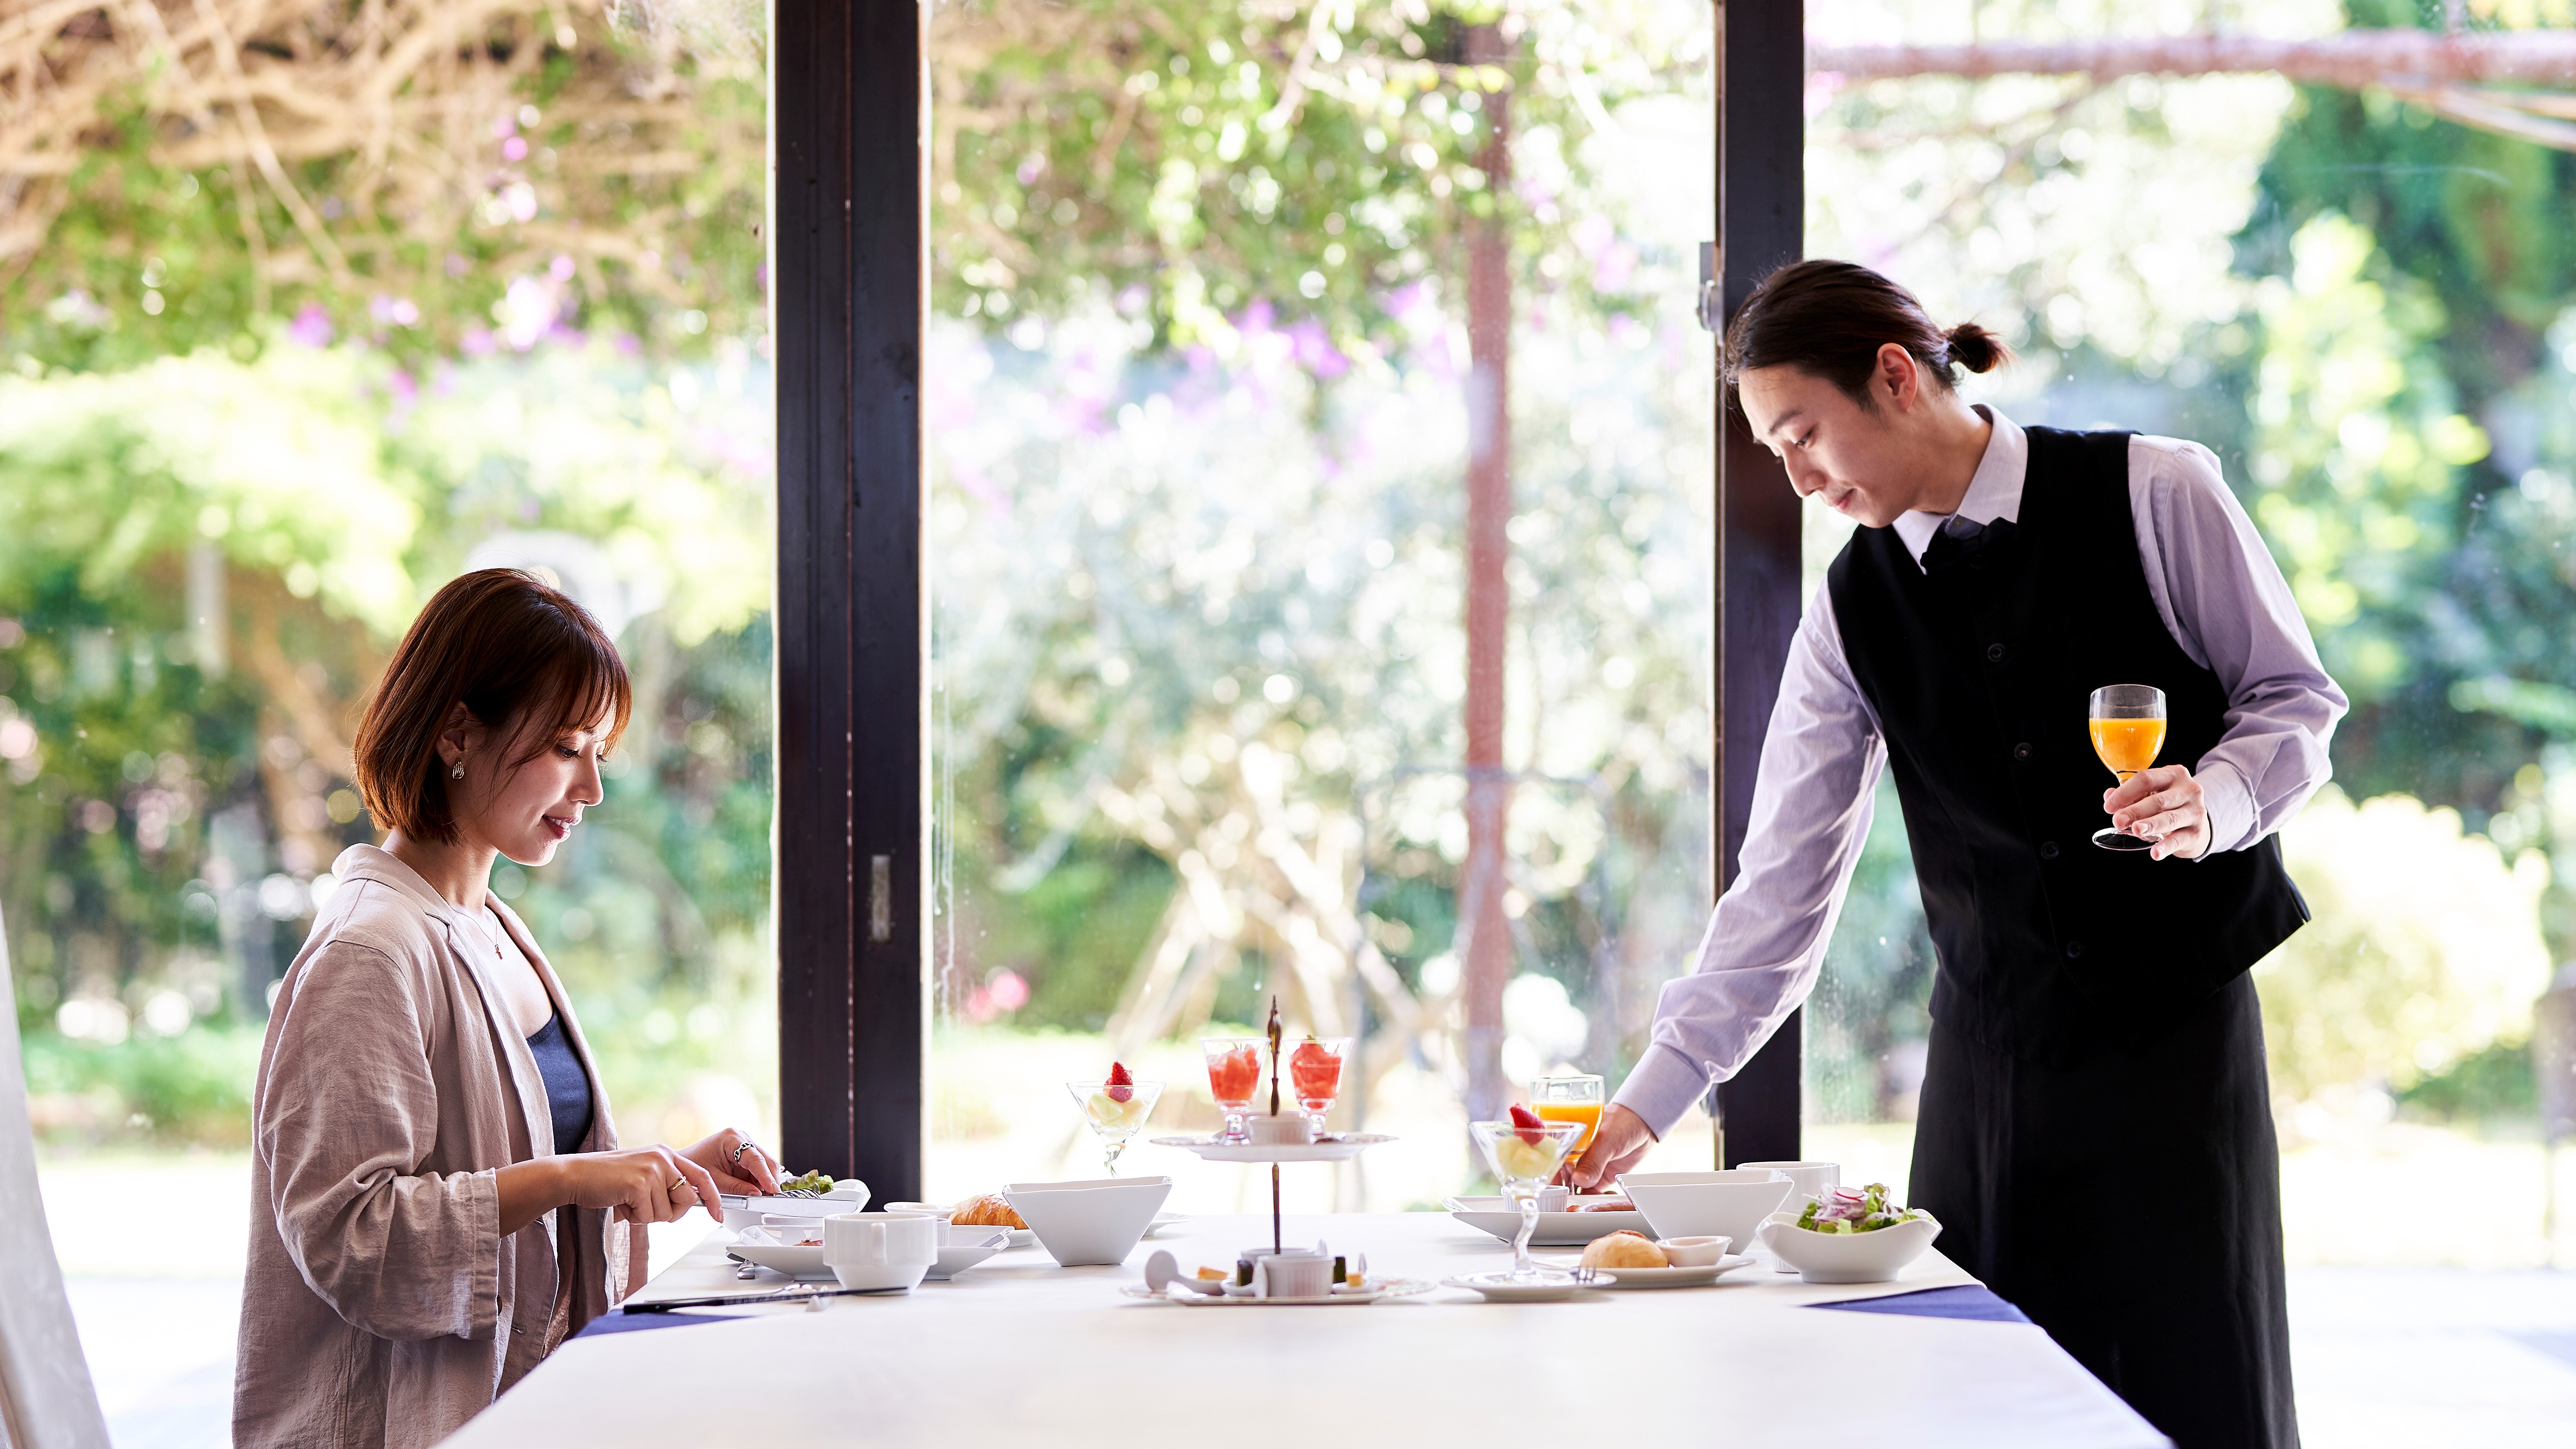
pixel 1529 1123
pixel 1122 1082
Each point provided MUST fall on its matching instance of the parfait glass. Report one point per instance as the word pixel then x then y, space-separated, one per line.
pixel 1115 1112
pixel 1234 1076
pixel 1525 1158
pixel 1315 1075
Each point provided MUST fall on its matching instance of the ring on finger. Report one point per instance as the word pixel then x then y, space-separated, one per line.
pixel 673 1192
pixel 735 1157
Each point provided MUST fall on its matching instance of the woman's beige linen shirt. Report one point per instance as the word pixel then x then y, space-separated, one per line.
pixel 382 1305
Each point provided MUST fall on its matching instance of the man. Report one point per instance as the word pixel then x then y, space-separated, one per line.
pixel 2094 1133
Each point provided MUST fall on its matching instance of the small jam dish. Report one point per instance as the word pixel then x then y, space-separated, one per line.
pixel 1697 1252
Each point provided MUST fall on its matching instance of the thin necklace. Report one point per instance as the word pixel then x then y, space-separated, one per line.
pixel 494 917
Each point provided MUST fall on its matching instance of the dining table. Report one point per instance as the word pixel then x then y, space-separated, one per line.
pixel 1018 1351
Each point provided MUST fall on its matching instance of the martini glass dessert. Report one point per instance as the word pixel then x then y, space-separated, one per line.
pixel 1116 1108
pixel 1525 1152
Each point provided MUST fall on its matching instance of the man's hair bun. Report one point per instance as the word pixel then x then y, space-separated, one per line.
pixel 1976 349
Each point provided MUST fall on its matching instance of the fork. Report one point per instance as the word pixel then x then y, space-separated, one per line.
pixel 1586 1277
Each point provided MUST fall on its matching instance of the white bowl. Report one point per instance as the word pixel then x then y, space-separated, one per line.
pixel 1847 1257
pixel 1099 1220
pixel 875 1251
pixel 1697 1252
pixel 956 1258
pixel 1706 1204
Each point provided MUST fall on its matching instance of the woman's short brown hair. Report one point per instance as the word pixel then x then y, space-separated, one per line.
pixel 514 651
pixel 1828 319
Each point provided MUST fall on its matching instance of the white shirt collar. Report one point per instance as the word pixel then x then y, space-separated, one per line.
pixel 1995 491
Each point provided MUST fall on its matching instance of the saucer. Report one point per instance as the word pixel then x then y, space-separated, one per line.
pixel 1499 1288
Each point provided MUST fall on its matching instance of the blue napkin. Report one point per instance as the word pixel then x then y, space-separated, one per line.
pixel 616 1322
pixel 1968 1300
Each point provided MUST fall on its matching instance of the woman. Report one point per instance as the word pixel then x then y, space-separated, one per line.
pixel 2096 1072
pixel 438 1197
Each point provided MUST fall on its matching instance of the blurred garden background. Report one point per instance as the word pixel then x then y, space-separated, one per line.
pixel 304 308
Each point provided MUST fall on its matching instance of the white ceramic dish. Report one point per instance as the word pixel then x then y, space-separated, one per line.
pixel 1098 1220
pixel 1847 1257
pixel 1498 1216
pixel 1499 1288
pixel 1392 1288
pixel 957 1257
pixel 1699 1277
pixel 1020 1237
pixel 1706 1204
pixel 1694 1252
pixel 1164 1220
pixel 795 1262
pixel 880 1250
pixel 848 1196
pixel 1338 1149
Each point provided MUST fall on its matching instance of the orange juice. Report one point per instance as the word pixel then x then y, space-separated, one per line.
pixel 2128 745
pixel 1587 1113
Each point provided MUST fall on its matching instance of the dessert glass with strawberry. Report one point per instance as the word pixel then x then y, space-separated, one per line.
pixel 1116 1108
pixel 1315 1075
pixel 1234 1077
pixel 1525 1152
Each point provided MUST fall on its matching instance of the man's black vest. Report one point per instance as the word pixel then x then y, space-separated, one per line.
pixel 1980 672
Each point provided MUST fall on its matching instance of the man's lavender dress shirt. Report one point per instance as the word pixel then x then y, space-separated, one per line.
pixel 2218 591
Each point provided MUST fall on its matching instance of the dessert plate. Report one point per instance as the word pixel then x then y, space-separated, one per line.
pixel 1164 1220
pixel 1499 1288
pixel 1498 1216
pixel 1337 1149
pixel 1666 1277
pixel 1020 1237
pixel 1393 1288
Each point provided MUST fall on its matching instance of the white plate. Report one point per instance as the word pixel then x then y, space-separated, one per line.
pixel 794 1262
pixel 1340 1149
pixel 1020 1237
pixel 1164 1220
pixel 1395 1288
pixel 956 1258
pixel 1499 1288
pixel 1555 1230
pixel 1666 1277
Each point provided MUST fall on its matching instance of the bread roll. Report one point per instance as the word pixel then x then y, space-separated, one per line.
pixel 1623 1249
pixel 986 1210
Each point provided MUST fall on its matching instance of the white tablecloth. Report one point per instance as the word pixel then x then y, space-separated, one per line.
pixel 1019 1352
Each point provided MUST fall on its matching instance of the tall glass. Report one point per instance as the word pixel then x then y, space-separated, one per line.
pixel 1570 1099
pixel 1234 1078
pixel 1525 1158
pixel 1315 1075
pixel 2128 726
pixel 1116 1112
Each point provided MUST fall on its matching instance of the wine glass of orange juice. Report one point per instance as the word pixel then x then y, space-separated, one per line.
pixel 1569 1099
pixel 2128 724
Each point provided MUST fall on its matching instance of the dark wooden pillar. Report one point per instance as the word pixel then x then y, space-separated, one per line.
pixel 847 289
pixel 1761 197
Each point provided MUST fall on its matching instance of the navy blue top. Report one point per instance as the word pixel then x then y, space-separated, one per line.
pixel 567 1085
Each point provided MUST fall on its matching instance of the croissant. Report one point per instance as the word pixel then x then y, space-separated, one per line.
pixel 989 1209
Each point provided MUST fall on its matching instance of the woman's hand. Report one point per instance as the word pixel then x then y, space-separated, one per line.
pixel 738 1164
pixel 2164 805
pixel 638 1184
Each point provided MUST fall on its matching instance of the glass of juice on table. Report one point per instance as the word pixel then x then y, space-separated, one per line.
pixel 1116 1109
pixel 1569 1099
pixel 1315 1075
pixel 2128 726
pixel 1234 1078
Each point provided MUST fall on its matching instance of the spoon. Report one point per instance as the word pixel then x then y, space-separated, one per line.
pixel 1162 1270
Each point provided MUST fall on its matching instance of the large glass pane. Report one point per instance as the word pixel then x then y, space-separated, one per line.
pixel 2352 286
pixel 499 302
pixel 1215 290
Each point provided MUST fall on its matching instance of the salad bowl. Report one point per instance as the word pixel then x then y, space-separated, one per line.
pixel 1871 1257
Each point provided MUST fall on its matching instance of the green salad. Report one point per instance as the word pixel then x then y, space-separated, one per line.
pixel 810 1182
pixel 1865 1211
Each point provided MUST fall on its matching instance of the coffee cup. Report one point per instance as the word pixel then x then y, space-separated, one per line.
pixel 880 1250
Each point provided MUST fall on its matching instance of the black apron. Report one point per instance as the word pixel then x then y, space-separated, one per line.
pixel 2095 1131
